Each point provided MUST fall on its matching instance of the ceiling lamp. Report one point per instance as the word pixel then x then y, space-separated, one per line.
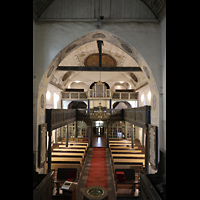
pixel 100 114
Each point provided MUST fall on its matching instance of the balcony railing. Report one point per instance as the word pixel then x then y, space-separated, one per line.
pixel 74 95
pixel 125 95
pixel 105 94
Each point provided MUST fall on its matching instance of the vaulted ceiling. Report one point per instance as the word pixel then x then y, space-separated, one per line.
pixel 109 8
pixel 112 56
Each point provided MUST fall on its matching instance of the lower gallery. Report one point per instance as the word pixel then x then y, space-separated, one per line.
pixel 104 159
pixel 99 100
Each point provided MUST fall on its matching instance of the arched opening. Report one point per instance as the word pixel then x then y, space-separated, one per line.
pixel 77 104
pixel 75 54
pixel 121 105
pixel 106 84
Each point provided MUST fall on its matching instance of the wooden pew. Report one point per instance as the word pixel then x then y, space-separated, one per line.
pixel 73 147
pixel 67 154
pixel 127 189
pixel 68 157
pixel 69 149
pixel 126 151
pixel 128 156
pixel 118 147
pixel 61 156
pixel 119 141
pixel 78 143
pixel 62 159
pixel 138 167
pixel 119 144
pixel 132 157
pixel 65 164
pixel 125 161
pixel 74 143
pixel 127 148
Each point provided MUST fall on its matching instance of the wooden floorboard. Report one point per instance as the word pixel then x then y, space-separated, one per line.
pixel 98 141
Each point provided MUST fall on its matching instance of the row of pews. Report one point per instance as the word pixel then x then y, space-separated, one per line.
pixel 67 162
pixel 127 163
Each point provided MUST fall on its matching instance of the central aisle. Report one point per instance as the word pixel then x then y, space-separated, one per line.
pixel 97 175
pixel 106 171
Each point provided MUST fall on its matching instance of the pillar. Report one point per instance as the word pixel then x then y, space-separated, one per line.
pixel 76 129
pixel 61 132
pixel 125 129
pixel 142 136
pixel 132 137
pixel 66 135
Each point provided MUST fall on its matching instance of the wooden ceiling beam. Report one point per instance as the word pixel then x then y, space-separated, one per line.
pixel 103 69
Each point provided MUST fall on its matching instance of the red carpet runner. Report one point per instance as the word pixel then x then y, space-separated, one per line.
pixel 97 175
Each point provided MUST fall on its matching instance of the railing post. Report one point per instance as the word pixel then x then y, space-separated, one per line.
pixel 66 140
pixel 132 137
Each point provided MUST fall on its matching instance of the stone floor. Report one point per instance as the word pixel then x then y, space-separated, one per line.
pixel 83 177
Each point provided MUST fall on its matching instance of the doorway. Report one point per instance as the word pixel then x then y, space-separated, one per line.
pixel 98 134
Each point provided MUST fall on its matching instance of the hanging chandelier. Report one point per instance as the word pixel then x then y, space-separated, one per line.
pixel 100 114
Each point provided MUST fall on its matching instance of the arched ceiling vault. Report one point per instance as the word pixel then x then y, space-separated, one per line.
pixel 117 52
pixel 157 7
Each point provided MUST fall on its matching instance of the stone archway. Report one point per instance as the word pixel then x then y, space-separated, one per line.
pixel 110 38
pixel 90 37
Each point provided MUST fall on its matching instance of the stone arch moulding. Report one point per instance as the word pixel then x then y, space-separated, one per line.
pixel 93 36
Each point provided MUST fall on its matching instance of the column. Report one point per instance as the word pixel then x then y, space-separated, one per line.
pixel 66 140
pixel 125 129
pixel 132 137
pixel 142 136
pixel 61 132
pixel 76 128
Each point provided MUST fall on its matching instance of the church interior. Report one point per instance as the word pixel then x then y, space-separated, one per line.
pixel 99 99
